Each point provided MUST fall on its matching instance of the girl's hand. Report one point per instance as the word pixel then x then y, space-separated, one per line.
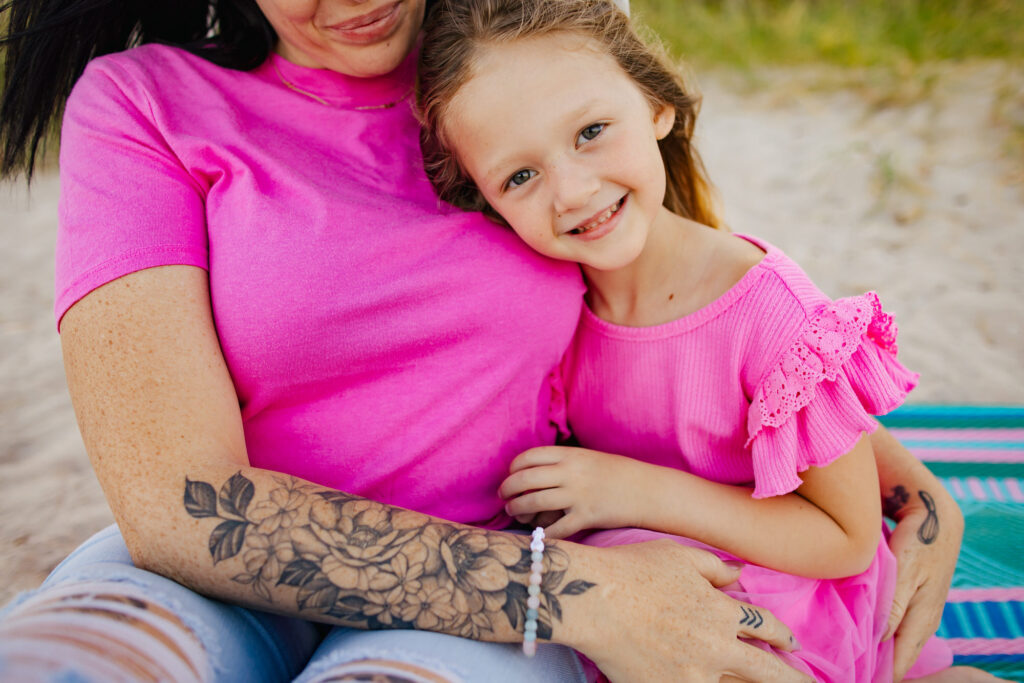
pixel 592 490
pixel 656 614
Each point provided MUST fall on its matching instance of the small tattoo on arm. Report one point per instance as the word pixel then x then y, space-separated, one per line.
pixel 894 502
pixel 373 566
pixel 929 529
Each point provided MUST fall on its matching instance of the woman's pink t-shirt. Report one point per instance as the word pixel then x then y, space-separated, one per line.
pixel 379 342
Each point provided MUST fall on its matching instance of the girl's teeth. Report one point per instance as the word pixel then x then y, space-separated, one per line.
pixel 600 219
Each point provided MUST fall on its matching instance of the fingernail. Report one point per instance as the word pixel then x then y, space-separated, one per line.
pixel 795 644
pixel 734 564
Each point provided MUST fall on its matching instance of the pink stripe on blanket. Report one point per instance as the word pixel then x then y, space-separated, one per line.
pixel 1011 594
pixel 977 490
pixel 1013 486
pixel 986 646
pixel 968 455
pixel 959 434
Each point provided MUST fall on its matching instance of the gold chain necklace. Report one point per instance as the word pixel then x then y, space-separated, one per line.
pixel 313 96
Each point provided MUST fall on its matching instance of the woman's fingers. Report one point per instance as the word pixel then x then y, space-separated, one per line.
pixel 901 599
pixel 754 664
pixel 759 624
pixel 917 626
pixel 713 569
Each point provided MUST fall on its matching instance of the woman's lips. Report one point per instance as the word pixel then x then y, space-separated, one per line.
pixel 370 27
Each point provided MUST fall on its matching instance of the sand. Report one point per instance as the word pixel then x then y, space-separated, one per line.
pixel 922 201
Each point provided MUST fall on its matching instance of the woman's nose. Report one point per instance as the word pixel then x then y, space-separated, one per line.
pixel 574 185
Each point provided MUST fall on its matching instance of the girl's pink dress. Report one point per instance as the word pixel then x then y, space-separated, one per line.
pixel 771 378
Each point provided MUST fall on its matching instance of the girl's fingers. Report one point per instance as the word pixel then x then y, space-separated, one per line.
pixel 542 455
pixel 530 479
pixel 546 519
pixel 537 501
pixel 566 526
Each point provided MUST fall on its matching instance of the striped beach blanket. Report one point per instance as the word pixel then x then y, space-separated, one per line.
pixel 978 453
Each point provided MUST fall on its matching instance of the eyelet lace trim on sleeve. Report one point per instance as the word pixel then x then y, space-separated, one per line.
pixel 827 342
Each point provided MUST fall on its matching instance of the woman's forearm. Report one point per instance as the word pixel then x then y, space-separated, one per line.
pixel 908 487
pixel 278 543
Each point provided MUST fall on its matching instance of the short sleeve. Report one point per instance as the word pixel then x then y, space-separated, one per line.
pixel 815 402
pixel 127 202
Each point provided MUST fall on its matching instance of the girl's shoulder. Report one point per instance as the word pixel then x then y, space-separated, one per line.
pixel 781 277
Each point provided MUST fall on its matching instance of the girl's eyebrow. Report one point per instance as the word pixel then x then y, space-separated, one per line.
pixel 496 172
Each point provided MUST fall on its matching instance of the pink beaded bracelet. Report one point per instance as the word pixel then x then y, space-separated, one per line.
pixel 533 590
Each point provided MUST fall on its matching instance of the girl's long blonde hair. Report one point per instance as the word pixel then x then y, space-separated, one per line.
pixel 457 29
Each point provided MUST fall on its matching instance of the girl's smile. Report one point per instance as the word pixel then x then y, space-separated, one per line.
pixel 563 144
pixel 602 224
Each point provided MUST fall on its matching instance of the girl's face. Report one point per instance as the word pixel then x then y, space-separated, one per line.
pixel 362 38
pixel 564 145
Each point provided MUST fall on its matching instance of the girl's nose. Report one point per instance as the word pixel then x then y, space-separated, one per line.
pixel 574 185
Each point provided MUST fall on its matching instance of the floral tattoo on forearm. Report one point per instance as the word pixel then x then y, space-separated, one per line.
pixel 894 502
pixel 368 565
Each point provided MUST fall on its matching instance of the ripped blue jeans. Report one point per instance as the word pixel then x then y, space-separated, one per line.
pixel 99 618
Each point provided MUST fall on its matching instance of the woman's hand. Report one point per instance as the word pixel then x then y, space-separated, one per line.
pixel 926 543
pixel 570 489
pixel 656 614
pixel 925 573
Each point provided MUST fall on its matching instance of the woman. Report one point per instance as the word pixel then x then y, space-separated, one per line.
pixel 254 278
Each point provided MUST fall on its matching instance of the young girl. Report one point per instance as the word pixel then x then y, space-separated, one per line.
pixel 736 394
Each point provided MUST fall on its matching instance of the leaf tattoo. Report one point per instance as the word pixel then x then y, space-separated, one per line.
pixel 369 565
pixel 200 499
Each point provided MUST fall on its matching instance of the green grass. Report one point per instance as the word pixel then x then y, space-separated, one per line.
pixel 847 33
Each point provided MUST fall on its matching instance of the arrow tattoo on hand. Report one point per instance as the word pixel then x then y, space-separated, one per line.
pixel 751 617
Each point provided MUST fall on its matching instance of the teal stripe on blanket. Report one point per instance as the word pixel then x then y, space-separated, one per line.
pixel 955 417
pixel 964 445
pixel 992 554
pixel 1008 667
pixel 1002 470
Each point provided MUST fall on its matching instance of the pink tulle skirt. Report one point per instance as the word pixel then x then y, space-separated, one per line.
pixel 839 623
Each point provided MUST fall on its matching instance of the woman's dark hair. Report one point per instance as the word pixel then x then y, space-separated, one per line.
pixel 457 30
pixel 47 43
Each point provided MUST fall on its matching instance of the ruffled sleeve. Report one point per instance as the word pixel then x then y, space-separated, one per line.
pixel 815 402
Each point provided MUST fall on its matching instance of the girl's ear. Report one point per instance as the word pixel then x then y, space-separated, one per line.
pixel 664 119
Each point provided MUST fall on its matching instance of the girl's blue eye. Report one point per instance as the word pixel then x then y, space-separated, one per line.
pixel 590 132
pixel 520 177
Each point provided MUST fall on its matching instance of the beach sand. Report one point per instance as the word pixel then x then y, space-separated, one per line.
pixel 922 202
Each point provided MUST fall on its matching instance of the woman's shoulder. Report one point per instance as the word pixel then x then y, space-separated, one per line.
pixel 154 69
